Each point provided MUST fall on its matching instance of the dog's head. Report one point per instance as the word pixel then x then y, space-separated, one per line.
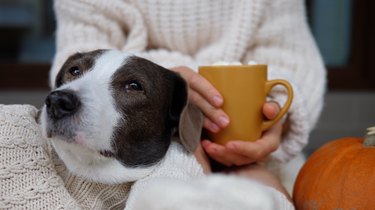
pixel 112 115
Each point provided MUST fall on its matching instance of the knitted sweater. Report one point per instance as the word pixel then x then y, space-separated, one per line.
pixel 33 177
pixel 202 32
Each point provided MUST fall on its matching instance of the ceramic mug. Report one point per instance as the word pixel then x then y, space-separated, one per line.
pixel 244 89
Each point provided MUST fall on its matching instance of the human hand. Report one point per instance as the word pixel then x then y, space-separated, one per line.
pixel 206 97
pixel 239 153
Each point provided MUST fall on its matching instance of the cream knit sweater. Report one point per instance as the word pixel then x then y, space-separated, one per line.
pixel 33 177
pixel 200 32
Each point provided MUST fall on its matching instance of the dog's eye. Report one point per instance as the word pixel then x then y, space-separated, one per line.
pixel 75 71
pixel 133 86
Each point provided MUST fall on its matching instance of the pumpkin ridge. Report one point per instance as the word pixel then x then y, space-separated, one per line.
pixel 347 168
pixel 370 186
pixel 341 155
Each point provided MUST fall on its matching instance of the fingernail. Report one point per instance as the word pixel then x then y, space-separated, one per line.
pixel 223 121
pixel 275 110
pixel 217 100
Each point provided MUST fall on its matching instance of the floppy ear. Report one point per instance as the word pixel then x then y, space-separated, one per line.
pixel 187 115
pixel 190 127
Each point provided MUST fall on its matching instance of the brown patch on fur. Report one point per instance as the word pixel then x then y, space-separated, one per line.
pixel 83 61
pixel 150 114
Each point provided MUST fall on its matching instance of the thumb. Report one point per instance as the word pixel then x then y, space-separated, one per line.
pixel 270 110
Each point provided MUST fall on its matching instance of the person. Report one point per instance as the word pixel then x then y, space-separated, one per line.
pixel 181 35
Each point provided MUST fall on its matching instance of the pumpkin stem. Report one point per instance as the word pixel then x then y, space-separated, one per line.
pixel 370 137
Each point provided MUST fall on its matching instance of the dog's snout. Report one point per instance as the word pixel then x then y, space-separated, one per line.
pixel 61 104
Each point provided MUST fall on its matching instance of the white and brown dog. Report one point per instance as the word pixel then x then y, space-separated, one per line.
pixel 112 115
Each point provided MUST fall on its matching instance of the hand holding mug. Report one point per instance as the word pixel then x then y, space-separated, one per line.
pixel 244 89
pixel 254 123
pixel 239 152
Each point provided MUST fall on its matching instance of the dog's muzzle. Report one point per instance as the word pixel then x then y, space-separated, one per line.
pixel 62 103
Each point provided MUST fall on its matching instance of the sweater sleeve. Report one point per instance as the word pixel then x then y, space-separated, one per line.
pixel 284 42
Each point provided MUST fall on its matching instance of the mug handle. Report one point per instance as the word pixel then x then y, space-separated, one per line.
pixel 269 85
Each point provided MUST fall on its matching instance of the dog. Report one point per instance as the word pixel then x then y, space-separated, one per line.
pixel 112 115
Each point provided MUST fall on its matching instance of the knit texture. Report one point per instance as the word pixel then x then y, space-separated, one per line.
pixel 202 32
pixel 27 176
pixel 89 194
pixel 33 177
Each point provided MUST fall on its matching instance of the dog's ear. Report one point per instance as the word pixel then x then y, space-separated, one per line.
pixel 190 127
pixel 188 116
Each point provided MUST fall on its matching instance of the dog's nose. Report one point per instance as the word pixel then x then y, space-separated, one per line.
pixel 61 104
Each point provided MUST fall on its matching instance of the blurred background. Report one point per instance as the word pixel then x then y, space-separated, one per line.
pixel 344 31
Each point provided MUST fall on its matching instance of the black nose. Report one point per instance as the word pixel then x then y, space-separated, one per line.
pixel 61 104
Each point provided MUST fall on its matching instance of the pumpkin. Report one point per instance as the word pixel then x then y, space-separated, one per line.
pixel 339 175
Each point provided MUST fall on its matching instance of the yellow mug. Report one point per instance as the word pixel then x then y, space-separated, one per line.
pixel 244 89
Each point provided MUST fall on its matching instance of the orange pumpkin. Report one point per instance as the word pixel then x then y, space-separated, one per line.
pixel 339 175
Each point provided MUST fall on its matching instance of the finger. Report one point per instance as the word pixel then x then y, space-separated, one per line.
pixel 202 158
pixel 198 83
pixel 211 126
pixel 212 151
pixel 270 110
pixel 224 156
pixel 215 115
pixel 261 148
pixel 206 89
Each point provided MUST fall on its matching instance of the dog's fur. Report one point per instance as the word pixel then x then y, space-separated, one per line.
pixel 112 114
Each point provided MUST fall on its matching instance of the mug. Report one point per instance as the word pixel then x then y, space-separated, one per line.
pixel 244 89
